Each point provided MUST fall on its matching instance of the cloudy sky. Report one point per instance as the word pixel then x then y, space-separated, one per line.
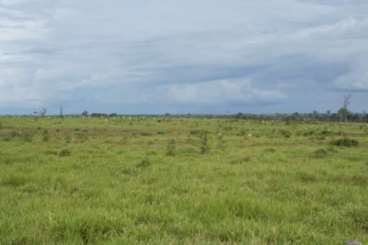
pixel 198 56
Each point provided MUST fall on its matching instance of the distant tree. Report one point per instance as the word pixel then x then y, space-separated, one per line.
pixel 41 112
pixel 344 111
pixel 61 111
pixel 85 113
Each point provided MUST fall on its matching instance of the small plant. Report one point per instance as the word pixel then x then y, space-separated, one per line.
pixel 82 137
pixel 345 142
pixel 270 150
pixel 171 148
pixel 13 134
pixel 241 160
pixel 14 180
pixel 204 147
pixel 309 133
pixel 220 141
pixel 285 133
pixel 7 138
pixel 326 132
pixel 68 139
pixel 64 153
pixel 144 163
pixel 320 153
pixel 27 136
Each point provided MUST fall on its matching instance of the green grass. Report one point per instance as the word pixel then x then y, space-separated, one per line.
pixel 146 180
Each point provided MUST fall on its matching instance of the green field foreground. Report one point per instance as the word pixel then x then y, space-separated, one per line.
pixel 164 180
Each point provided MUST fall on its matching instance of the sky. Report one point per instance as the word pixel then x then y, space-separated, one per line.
pixel 187 56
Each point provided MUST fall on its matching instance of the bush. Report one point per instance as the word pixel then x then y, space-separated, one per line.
pixel 345 142
pixel 285 133
pixel 326 132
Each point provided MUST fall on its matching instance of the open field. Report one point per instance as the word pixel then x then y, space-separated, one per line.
pixel 157 180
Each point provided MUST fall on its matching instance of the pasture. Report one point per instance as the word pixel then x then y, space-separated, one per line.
pixel 172 180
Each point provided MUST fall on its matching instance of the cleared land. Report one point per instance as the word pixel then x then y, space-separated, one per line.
pixel 156 180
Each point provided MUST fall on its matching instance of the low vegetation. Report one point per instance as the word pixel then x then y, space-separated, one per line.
pixel 168 180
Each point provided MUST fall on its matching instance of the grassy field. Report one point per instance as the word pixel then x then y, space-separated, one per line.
pixel 156 180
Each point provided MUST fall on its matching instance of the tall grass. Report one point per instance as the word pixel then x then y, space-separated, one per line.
pixel 170 180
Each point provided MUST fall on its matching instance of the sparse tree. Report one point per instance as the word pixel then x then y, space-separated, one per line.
pixel 85 113
pixel 61 111
pixel 41 112
pixel 344 111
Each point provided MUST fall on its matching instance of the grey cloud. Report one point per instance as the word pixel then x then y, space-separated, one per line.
pixel 185 53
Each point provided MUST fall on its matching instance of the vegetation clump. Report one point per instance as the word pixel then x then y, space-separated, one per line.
pixel 68 139
pixel 64 153
pixel 345 142
pixel 27 136
pixel 204 146
pixel 220 141
pixel 320 153
pixel 285 133
pixel 171 148
pixel 146 162
pixel 45 135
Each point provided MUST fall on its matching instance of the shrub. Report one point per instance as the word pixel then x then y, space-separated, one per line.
pixel 171 148
pixel 64 153
pixel 309 133
pixel 345 142
pixel 326 132
pixel 285 133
